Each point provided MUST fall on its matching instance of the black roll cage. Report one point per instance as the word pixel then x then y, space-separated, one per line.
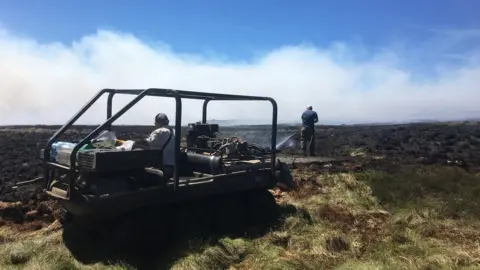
pixel 141 93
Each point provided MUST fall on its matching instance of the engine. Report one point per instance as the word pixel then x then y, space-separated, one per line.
pixel 203 137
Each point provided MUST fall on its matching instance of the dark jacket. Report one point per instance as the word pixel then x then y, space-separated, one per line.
pixel 309 118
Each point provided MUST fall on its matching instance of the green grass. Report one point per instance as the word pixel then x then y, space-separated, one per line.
pixel 418 218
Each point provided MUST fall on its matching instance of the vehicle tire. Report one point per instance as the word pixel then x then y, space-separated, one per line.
pixel 263 211
pixel 229 214
pixel 85 245
pixel 65 216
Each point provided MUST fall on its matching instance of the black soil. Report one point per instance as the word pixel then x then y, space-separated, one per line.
pixel 338 148
pixel 360 147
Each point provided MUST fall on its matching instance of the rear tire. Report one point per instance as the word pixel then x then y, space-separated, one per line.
pixel 263 211
pixel 84 243
pixel 229 213
pixel 65 216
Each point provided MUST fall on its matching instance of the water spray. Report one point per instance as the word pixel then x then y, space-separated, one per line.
pixel 287 142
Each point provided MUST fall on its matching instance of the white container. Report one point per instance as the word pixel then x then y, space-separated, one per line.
pixel 61 152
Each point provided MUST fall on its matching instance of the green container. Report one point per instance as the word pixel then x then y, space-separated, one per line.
pixel 86 147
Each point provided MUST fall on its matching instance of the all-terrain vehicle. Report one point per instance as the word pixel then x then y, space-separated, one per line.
pixel 98 184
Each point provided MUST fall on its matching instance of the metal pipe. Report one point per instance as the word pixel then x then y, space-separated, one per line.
pixel 191 94
pixel 177 94
pixel 109 108
pixel 46 153
pixel 274 124
pixel 178 123
pixel 204 111
pixel 61 131
pixel 274 135
pixel 178 135
pixel 102 127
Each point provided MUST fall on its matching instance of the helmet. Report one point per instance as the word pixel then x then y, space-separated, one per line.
pixel 161 119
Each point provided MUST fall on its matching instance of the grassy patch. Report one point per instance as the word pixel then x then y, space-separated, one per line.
pixel 447 191
pixel 417 218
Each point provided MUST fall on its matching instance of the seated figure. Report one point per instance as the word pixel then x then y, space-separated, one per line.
pixel 163 137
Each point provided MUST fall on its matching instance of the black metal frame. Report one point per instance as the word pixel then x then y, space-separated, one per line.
pixel 140 93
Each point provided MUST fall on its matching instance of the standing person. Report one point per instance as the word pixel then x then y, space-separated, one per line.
pixel 309 118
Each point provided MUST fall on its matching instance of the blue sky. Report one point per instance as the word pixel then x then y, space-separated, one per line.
pixel 338 47
pixel 241 29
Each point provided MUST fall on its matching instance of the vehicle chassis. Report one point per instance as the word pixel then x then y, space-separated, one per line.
pixel 264 175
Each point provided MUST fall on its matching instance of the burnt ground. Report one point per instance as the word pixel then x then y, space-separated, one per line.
pixel 346 148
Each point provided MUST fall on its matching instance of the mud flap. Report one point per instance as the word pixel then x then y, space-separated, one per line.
pixel 284 176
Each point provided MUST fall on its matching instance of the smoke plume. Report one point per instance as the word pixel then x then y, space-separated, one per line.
pixel 46 83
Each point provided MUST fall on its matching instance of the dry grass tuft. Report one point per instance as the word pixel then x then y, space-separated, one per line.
pixel 417 218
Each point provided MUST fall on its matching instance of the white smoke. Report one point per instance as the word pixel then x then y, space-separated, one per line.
pixel 46 83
